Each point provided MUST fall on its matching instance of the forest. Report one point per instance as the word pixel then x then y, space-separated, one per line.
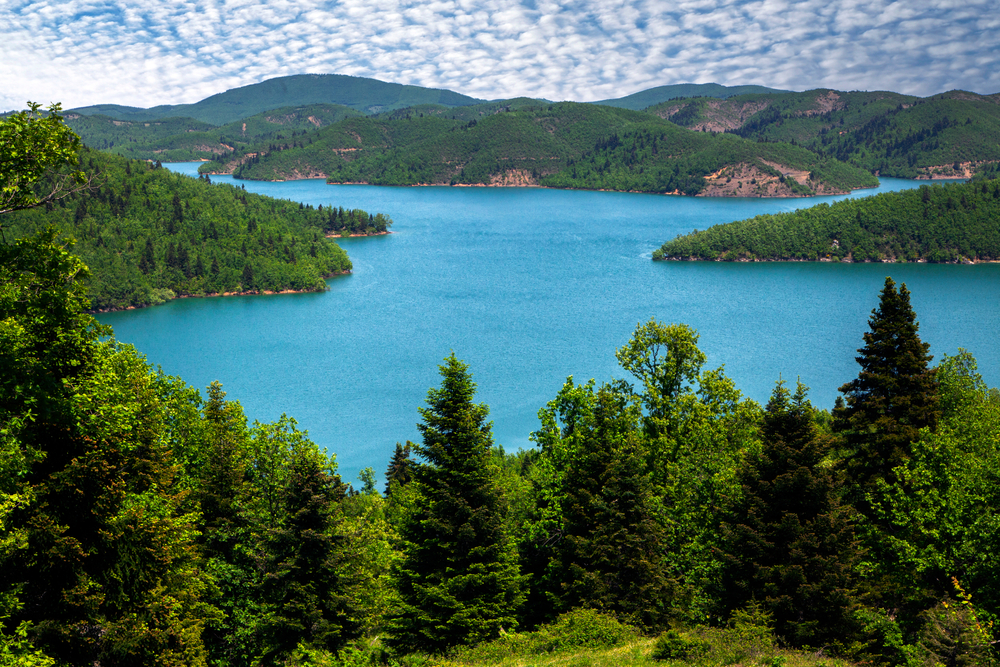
pixel 556 145
pixel 149 235
pixel 661 518
pixel 955 222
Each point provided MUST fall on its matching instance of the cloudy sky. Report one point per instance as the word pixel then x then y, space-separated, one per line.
pixel 149 52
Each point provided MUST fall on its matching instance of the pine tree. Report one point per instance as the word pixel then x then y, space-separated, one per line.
pixel 893 397
pixel 309 587
pixel 458 579
pixel 400 470
pixel 610 555
pixel 787 542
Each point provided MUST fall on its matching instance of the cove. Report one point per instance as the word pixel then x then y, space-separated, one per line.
pixel 529 286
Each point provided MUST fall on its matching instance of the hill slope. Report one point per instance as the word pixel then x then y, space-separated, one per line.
pixel 948 135
pixel 651 96
pixel 148 234
pixel 940 223
pixel 358 93
pixel 559 145
pixel 186 139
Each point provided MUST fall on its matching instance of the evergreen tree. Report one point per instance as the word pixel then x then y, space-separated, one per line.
pixel 309 586
pixel 458 579
pixel 893 397
pixel 787 542
pixel 103 565
pixel 400 470
pixel 610 555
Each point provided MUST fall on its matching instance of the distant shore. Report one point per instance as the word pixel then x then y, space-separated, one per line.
pixel 211 295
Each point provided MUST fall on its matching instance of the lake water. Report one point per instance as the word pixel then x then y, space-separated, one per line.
pixel 529 286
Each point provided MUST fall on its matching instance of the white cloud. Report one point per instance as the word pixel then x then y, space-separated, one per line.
pixel 174 51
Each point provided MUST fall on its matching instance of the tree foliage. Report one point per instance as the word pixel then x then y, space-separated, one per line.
pixel 787 541
pixel 34 145
pixel 458 579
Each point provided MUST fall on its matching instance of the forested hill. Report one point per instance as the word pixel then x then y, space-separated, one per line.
pixel 651 96
pixel 148 235
pixel 939 223
pixel 187 139
pixel 359 93
pixel 949 135
pixel 526 142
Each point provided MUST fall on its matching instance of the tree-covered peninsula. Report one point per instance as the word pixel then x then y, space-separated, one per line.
pixel 527 142
pixel 149 235
pixel 955 222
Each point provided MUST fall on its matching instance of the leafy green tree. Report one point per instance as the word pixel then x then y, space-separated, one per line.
pixel 894 396
pixel 106 567
pixel 33 145
pixel 697 426
pixel 787 542
pixel 458 579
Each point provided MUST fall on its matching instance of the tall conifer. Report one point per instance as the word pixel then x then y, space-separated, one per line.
pixel 309 587
pixel 893 397
pixel 458 579
pixel 787 542
pixel 610 555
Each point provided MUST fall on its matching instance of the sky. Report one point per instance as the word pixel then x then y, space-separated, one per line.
pixel 148 52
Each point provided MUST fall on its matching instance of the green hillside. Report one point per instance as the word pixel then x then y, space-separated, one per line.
pixel 186 139
pixel 947 135
pixel 940 223
pixel 651 96
pixel 358 93
pixel 148 234
pixel 522 142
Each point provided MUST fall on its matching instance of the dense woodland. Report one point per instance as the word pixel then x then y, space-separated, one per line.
pixel 147 523
pixel 143 522
pixel 934 223
pixel 148 235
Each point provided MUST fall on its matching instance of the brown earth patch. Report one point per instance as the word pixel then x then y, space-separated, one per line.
pixel 513 178
pixel 825 103
pixel 722 115
pixel 753 180
pixel 965 170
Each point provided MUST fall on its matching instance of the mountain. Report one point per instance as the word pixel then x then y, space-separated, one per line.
pixel 358 93
pixel 651 96
pixel 184 139
pixel 950 135
pixel 525 142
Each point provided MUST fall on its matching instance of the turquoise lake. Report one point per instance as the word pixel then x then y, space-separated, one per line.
pixel 529 286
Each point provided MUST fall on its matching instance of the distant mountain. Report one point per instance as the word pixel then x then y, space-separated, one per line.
pixel 647 98
pixel 526 142
pixel 182 139
pixel 950 135
pixel 368 96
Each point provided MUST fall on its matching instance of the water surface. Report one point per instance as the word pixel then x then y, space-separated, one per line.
pixel 529 286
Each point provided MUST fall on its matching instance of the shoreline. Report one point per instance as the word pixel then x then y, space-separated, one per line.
pixel 213 295
pixel 822 260
pixel 336 236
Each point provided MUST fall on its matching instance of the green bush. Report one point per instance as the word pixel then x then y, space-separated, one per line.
pixel 673 645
